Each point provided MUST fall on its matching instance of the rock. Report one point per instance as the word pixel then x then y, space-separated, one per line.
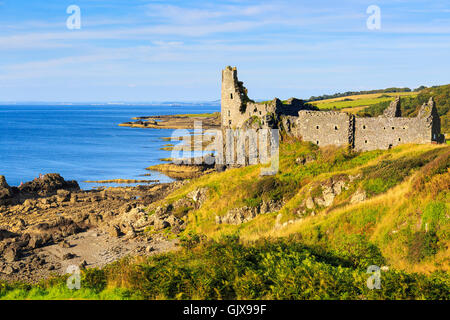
pixel 39 240
pixel 64 244
pixel 238 216
pixel 83 264
pixel 177 229
pixel 358 196
pixel 3 183
pixel 309 203
pixel 35 242
pixel 73 198
pixel 199 195
pixel 328 194
pixel 68 256
pixel 5 234
pixel 20 223
pixel 149 249
pixel 28 203
pixel 160 211
pixel 44 201
pixel 329 190
pixel 161 224
pixel 5 190
pixel 174 221
pixel 11 254
pixel 62 195
pixel 114 231
pixel 131 233
pixel 9 270
pixel 48 185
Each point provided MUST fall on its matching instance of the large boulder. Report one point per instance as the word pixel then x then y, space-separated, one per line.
pixel 5 190
pixel 48 185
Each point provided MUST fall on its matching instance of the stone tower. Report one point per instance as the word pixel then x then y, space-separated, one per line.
pixel 234 99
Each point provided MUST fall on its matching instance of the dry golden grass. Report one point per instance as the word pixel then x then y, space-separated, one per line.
pixel 397 209
pixel 368 96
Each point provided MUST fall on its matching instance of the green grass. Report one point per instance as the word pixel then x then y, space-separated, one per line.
pixel 228 269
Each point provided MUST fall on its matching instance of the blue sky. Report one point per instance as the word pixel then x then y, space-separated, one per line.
pixel 143 50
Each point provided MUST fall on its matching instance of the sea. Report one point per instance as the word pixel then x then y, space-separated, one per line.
pixel 84 142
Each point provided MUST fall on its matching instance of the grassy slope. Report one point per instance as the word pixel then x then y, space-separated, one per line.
pixel 404 224
pixel 389 177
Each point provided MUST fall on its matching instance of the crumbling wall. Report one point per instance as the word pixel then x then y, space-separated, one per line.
pixel 327 127
pixel 324 127
pixel 237 107
pixel 385 133
pixel 232 99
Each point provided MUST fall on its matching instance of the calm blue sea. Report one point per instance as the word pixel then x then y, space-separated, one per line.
pixel 82 142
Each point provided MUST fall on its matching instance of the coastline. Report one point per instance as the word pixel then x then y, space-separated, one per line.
pixel 208 120
pixel 49 223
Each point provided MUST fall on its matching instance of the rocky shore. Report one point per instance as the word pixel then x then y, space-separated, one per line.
pixel 209 121
pixel 49 223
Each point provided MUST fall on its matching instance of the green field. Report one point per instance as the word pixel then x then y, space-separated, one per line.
pixel 359 100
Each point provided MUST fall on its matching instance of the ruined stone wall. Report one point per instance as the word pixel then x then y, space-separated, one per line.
pixel 327 127
pixel 323 127
pixel 385 133
pixel 237 108
pixel 260 109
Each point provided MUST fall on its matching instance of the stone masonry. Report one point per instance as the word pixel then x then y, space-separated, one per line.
pixel 328 127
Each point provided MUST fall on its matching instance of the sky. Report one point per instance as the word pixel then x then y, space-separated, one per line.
pixel 146 51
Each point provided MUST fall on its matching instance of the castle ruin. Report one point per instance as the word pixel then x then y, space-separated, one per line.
pixel 327 127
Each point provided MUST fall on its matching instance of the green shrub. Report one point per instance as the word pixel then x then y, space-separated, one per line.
pixel 434 215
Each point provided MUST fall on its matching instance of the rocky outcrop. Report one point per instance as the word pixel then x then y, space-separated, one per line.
pixel 358 196
pixel 244 214
pixel 198 196
pixel 5 191
pixel 48 185
pixel 237 216
pixel 323 194
pixel 183 171
pixel 164 218
pixel 40 217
